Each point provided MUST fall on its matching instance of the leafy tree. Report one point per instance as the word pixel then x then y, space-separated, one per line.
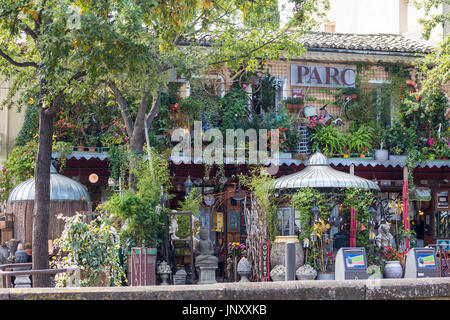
pixel 35 55
pixel 66 52
pixel 435 66
pixel 133 48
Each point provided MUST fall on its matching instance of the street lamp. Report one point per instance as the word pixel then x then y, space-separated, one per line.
pixel 315 213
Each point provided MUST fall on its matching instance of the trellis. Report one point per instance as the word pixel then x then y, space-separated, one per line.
pixel 256 233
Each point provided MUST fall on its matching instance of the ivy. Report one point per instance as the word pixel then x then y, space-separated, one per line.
pixel 94 247
pixel 19 167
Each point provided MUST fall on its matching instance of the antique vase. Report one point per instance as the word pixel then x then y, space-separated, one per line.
pixel 393 270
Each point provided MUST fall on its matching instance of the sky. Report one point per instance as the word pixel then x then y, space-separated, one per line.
pixel 369 17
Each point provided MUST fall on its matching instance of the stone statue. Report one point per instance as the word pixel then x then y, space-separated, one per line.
pixel 173 228
pixel 205 261
pixel 204 251
pixel 384 238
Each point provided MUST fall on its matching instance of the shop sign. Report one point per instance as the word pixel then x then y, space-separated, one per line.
pixel 322 76
pixel 442 199
pixel 265 269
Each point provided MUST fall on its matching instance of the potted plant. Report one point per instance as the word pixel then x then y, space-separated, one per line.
pixel 393 262
pixel 350 92
pixel 91 246
pixel 399 140
pixel 329 139
pixel 92 142
pixel 293 104
pixel 360 140
pixel 319 230
pixel 443 151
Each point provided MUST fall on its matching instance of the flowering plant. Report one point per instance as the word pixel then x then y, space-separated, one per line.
pixel 67 131
pixel 282 139
pixel 400 138
pixel 390 254
pixel 315 121
pixel 114 134
pixel 236 249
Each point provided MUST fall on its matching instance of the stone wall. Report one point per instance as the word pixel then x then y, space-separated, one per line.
pixel 385 289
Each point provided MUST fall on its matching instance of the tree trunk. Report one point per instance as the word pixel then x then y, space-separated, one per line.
pixel 42 198
pixel 137 140
pixel 136 149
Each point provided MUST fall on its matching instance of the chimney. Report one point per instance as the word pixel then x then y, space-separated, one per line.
pixel 330 27
pixel 403 16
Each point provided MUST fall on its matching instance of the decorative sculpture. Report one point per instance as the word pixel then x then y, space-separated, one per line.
pixel 206 262
pixel 244 268
pixel 164 271
pixel 384 238
pixel 204 251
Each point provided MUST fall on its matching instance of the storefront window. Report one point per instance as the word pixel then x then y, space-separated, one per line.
pixel 442 224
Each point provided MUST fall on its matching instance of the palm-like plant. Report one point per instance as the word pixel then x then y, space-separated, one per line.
pixel 329 140
pixel 360 140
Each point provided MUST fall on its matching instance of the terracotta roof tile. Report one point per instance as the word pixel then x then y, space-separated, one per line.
pixel 369 42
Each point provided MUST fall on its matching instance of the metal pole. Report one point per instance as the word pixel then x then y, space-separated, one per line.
pixel 290 261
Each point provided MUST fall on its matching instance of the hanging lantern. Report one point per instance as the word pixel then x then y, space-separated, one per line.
pixel 239 194
pixel 315 213
pixel 209 200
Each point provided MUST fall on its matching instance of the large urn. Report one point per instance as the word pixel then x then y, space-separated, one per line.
pixel 278 251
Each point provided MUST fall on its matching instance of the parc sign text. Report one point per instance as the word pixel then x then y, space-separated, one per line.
pixel 322 76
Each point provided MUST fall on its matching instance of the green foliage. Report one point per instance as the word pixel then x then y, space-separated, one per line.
pixel 94 247
pixel 303 201
pixel 261 184
pixel 361 200
pixel 30 126
pixel 400 139
pixel 234 106
pixel 118 161
pixel 192 203
pixel 360 141
pixel 63 149
pixel 136 213
pixel 192 108
pixel 17 168
pixel 330 140
pixel 426 114
pixel 283 120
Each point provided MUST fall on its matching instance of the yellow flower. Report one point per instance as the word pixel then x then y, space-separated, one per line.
pixel 31 101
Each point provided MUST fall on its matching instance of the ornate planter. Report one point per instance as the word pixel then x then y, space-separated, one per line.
pixel 278 273
pixel 381 154
pixel 164 271
pixel 244 268
pixel 393 270
pixel 306 272
pixel 278 250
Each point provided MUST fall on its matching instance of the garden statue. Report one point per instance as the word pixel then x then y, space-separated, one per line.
pixel 12 247
pixel 164 271
pixel 204 251
pixel 205 261
pixel 173 228
pixel 180 277
pixel 384 238
pixel 244 268
pixel 21 256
